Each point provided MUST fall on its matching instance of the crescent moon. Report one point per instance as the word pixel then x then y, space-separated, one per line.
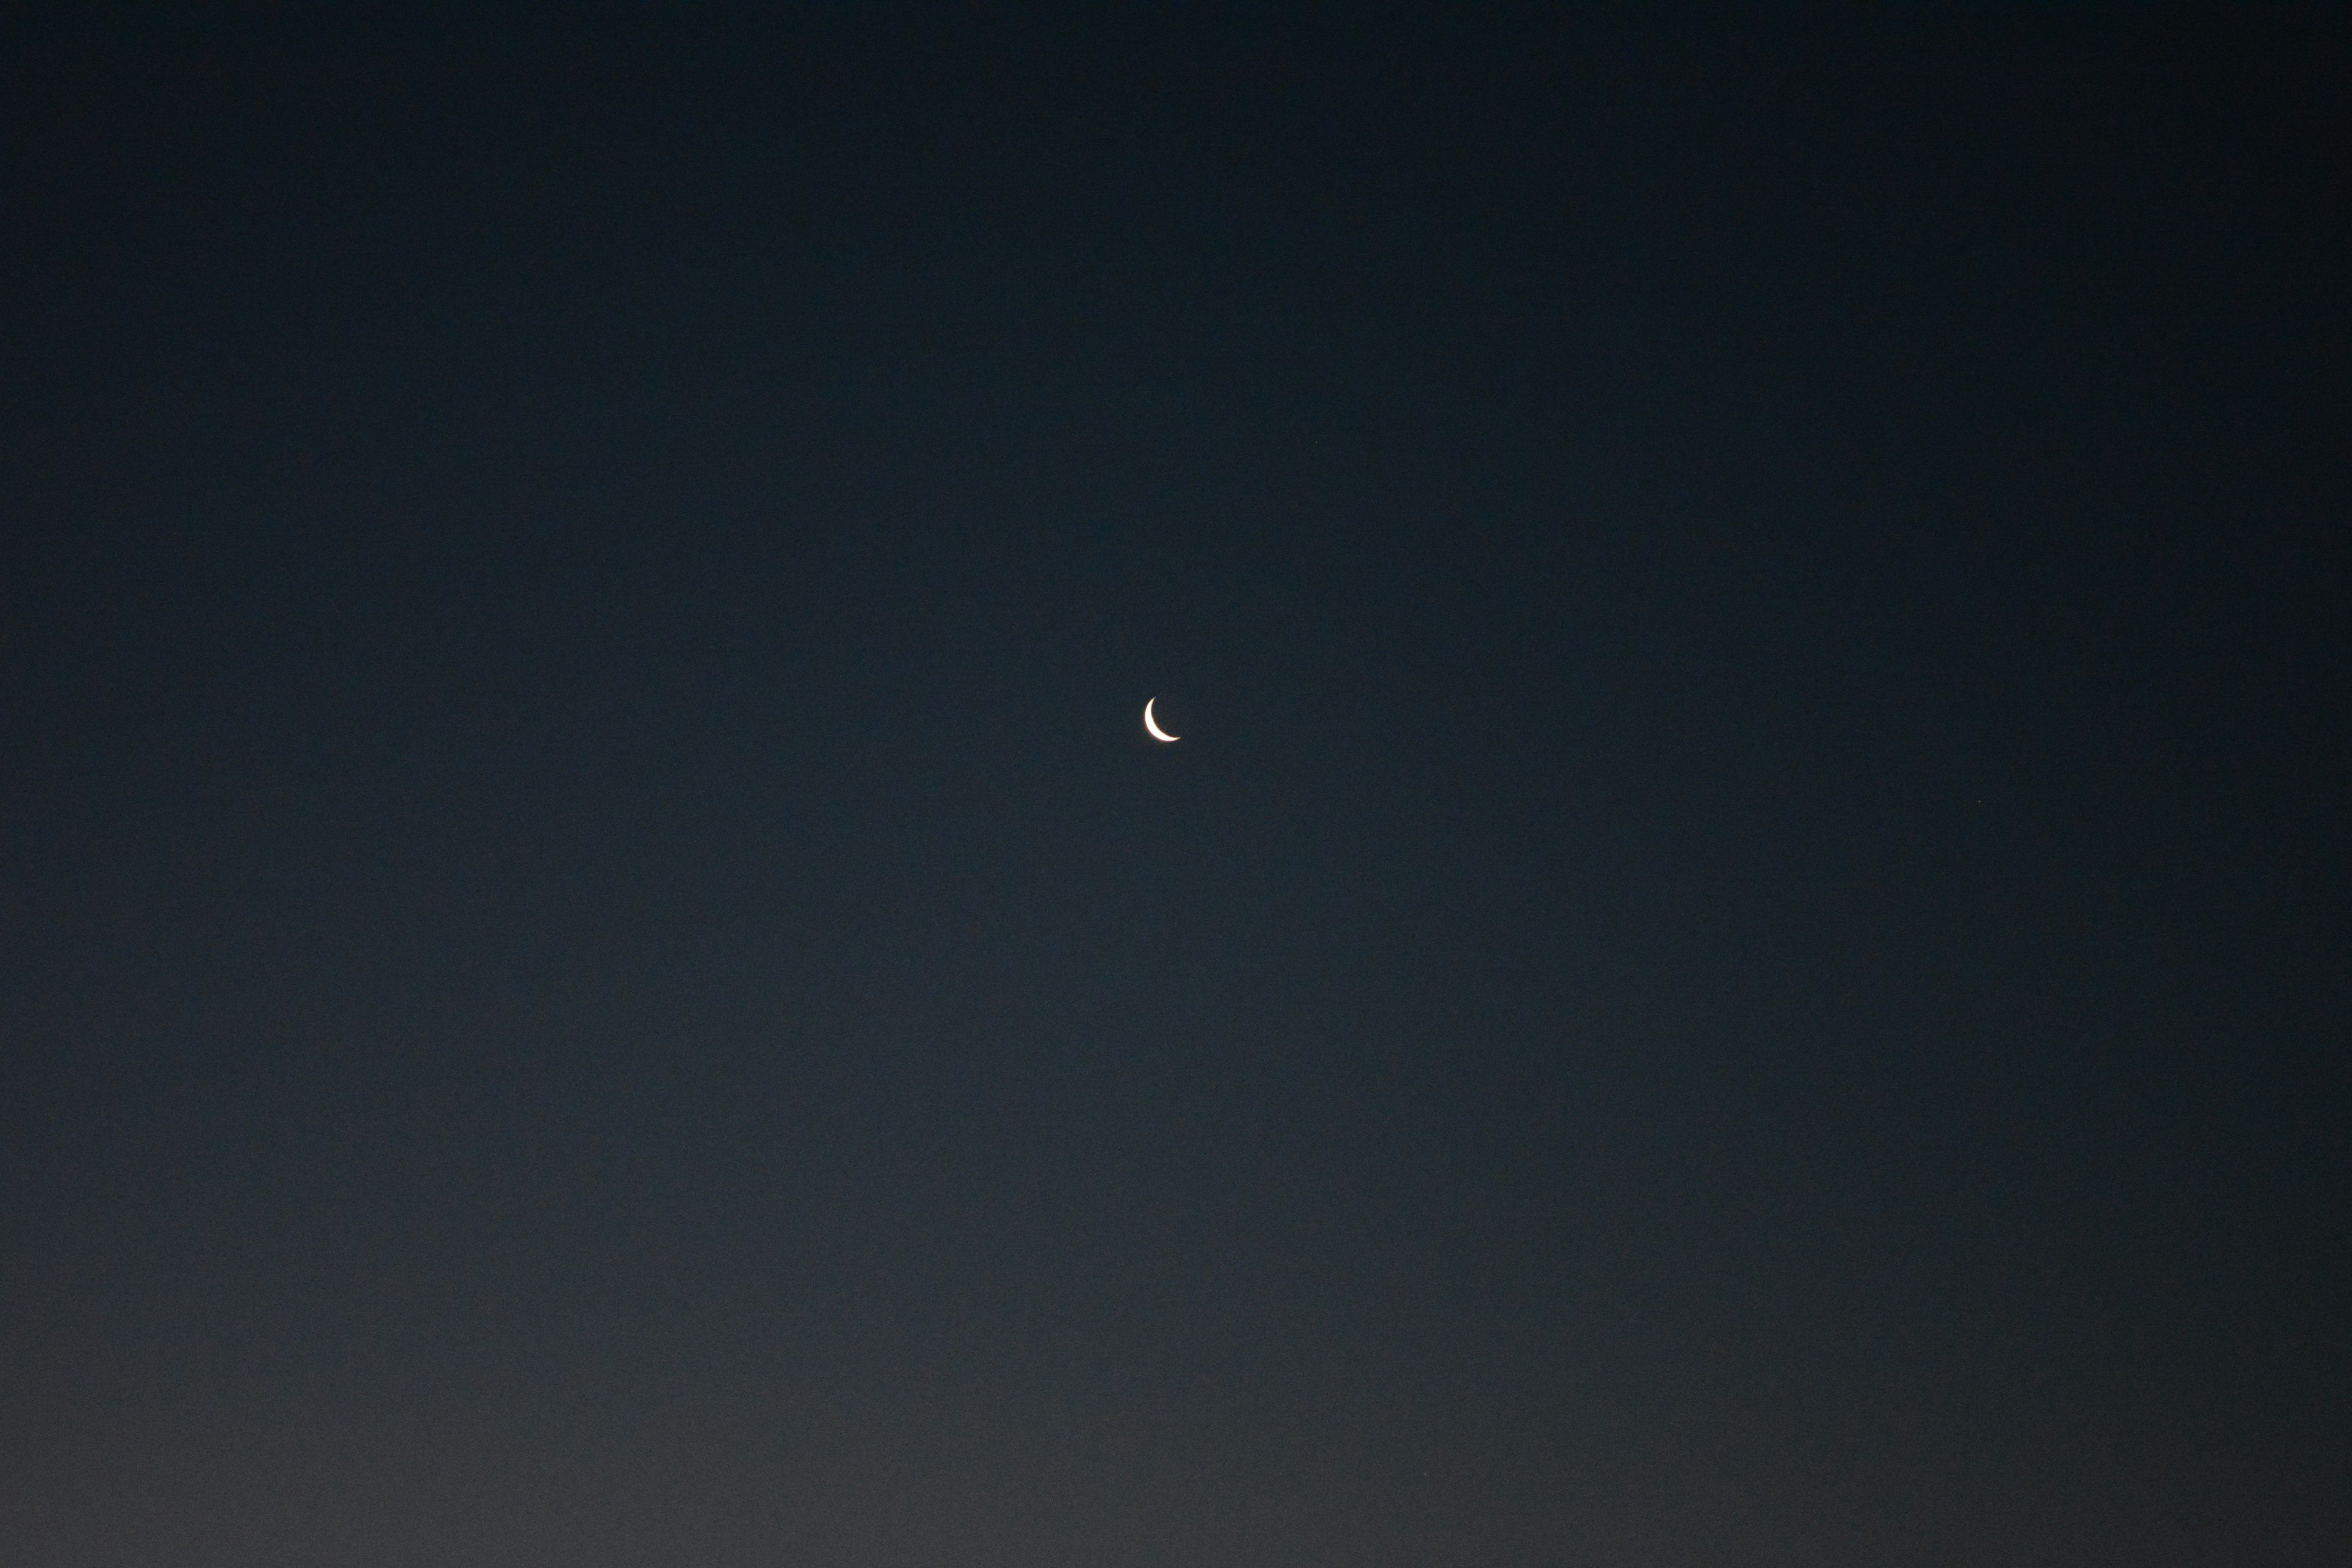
pixel 1157 733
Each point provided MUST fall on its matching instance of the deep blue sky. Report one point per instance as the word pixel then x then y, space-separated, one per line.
pixel 1743 959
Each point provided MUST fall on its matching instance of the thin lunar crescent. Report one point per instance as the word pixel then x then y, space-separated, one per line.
pixel 1149 723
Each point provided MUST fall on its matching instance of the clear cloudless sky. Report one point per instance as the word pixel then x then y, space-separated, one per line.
pixel 1743 958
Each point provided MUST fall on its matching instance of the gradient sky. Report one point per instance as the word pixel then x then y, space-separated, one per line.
pixel 1743 961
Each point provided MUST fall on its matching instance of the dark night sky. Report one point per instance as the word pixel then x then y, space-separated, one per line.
pixel 1744 959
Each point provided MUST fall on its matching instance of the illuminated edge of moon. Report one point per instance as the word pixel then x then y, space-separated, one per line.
pixel 1149 723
